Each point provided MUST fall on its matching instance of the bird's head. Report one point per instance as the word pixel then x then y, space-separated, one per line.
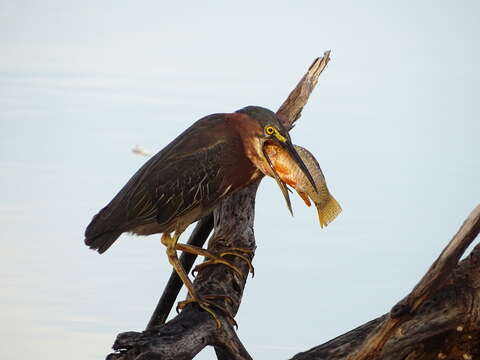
pixel 264 128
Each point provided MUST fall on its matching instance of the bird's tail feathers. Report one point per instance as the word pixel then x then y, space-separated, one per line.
pixel 103 241
pixel 101 233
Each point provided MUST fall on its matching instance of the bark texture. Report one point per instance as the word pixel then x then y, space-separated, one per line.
pixel 439 319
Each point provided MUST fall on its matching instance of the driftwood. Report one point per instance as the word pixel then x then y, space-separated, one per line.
pixel 439 319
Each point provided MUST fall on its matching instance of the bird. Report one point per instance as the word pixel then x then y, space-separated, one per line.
pixel 327 206
pixel 216 156
pixel 137 150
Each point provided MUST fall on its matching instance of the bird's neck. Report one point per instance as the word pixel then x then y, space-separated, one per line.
pixel 247 130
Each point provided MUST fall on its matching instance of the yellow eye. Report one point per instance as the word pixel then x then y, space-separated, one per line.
pixel 269 130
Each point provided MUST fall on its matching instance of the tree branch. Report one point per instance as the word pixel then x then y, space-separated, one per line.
pixel 439 319
pixel 443 266
pixel 429 284
pixel 291 109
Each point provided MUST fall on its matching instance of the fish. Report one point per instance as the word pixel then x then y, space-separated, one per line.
pixel 327 206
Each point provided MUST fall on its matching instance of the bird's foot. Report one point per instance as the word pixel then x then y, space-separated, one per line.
pixel 218 258
pixel 206 304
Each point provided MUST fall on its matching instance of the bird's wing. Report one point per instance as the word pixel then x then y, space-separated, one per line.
pixel 181 184
pixel 173 180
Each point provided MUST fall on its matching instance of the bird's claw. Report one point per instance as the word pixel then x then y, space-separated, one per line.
pixel 219 259
pixel 205 303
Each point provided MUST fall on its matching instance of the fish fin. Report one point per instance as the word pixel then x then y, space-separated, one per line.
pixel 328 212
pixel 304 197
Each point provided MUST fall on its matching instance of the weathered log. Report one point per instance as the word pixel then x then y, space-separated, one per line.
pixel 439 319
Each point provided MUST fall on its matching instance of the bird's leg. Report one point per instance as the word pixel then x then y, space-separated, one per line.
pixel 170 243
pixel 217 258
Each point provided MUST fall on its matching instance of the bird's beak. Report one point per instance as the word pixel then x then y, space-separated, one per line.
pixel 287 145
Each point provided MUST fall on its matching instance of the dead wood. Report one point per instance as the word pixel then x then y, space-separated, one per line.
pixel 439 319
pixel 291 109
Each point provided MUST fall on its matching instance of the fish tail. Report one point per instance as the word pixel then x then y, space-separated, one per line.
pixel 329 211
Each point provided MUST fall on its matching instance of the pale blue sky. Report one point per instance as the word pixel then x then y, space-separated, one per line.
pixel 394 123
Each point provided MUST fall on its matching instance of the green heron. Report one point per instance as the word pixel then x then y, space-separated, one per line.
pixel 216 156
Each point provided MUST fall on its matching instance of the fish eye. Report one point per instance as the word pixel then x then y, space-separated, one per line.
pixel 269 130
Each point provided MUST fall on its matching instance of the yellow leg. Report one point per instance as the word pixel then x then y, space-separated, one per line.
pixel 171 243
pixel 216 258
pixel 181 305
pixel 219 259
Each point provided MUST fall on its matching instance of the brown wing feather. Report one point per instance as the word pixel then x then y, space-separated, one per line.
pixel 192 181
pixel 191 171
